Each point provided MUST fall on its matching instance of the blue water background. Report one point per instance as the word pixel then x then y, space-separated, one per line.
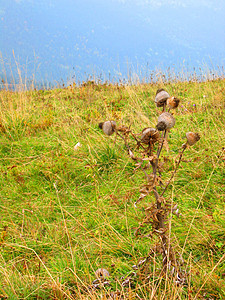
pixel 56 41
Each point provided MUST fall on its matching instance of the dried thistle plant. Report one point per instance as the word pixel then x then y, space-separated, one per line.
pixel 148 149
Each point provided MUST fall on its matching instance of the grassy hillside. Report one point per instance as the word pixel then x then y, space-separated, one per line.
pixel 67 211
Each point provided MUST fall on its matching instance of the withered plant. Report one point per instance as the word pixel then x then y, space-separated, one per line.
pixel 145 149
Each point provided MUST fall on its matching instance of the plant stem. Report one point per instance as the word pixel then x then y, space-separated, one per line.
pixel 160 147
pixel 161 223
pixel 174 172
pixel 138 142
pixel 155 165
pixel 125 142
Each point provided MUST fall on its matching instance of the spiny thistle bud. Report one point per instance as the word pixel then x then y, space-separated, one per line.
pixel 149 135
pixel 102 273
pixel 165 121
pixel 192 138
pixel 161 97
pixel 108 127
pixel 172 102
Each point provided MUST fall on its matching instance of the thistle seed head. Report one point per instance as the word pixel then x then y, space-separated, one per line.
pixel 149 135
pixel 172 102
pixel 165 121
pixel 161 126
pixel 192 138
pixel 108 127
pixel 161 97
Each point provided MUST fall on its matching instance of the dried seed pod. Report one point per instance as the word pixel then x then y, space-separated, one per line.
pixel 172 102
pixel 192 138
pixel 149 135
pixel 165 121
pixel 102 273
pixel 161 97
pixel 108 127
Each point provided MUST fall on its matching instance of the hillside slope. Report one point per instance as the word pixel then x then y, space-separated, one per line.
pixel 67 210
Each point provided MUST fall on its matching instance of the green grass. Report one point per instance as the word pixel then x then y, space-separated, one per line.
pixel 66 212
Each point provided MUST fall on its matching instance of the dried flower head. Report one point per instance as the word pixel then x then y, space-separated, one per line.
pixel 165 121
pixel 192 138
pixel 108 127
pixel 161 97
pixel 149 135
pixel 172 102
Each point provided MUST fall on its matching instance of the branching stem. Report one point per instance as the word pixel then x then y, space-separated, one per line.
pixel 125 142
pixel 160 226
pixel 175 170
